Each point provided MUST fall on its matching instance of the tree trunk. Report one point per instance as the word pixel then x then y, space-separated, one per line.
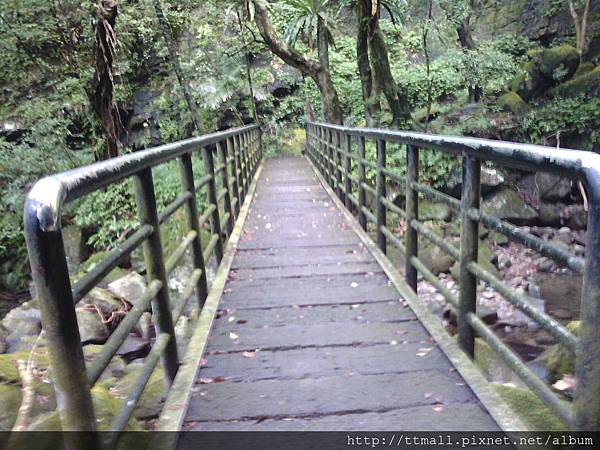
pixel 321 76
pixel 183 83
pixel 247 62
pixel 381 67
pixel 369 84
pixel 322 43
pixel 465 37
pixel 102 95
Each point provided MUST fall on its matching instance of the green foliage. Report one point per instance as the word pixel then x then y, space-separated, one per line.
pixel 575 116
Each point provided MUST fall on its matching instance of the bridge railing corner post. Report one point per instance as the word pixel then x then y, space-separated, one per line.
pixel 586 401
pixel 381 193
pixel 469 244
pixel 412 213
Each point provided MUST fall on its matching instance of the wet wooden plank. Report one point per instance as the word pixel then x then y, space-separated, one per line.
pixel 336 348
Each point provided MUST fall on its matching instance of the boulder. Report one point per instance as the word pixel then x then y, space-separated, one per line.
pixel 130 287
pixel 586 84
pixel 506 204
pixel 434 211
pixel 20 323
pixel 576 217
pixel 75 248
pixel 485 257
pixel 552 187
pixel 434 258
pixel 10 399
pixel 560 360
pixel 512 102
pixel 551 214
pixel 152 399
pixel 133 348
pixel 92 330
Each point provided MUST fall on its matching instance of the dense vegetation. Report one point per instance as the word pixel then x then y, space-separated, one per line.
pixel 510 70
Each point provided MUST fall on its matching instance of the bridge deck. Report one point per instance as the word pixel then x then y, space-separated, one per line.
pixel 311 335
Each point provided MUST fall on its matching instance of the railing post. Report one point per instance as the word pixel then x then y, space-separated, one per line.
pixel 469 242
pixel 222 152
pixel 412 212
pixel 53 290
pixel 330 172
pixel 586 402
pixel 347 170
pixel 187 182
pixel 155 269
pixel 337 145
pixel 381 192
pixel 215 221
pixel 239 171
pixel 321 151
pixel 362 195
pixel 236 190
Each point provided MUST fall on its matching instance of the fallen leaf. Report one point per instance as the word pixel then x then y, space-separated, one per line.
pixel 268 226
pixel 231 319
pixel 353 285
pixel 438 408
pixel 242 321
pixel 233 336
pixel 211 380
pixel 423 351
pixel 250 354
pixel 565 383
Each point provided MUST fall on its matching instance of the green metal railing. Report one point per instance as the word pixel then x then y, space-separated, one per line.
pixel 238 153
pixel 337 150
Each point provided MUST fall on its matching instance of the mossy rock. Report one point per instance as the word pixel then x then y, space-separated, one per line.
pixel 530 409
pixel 559 63
pixel 512 102
pixel 559 359
pixel 530 83
pixel 92 261
pixel 106 408
pixel 8 364
pixel 151 401
pixel 584 68
pixel 586 84
pixel 10 399
pixel 485 258
pixel 434 211
pixel 506 204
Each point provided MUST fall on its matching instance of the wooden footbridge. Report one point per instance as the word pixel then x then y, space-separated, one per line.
pixel 307 324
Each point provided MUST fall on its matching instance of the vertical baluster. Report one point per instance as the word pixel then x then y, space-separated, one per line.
pixel 155 269
pixel 53 288
pixel 337 146
pixel 347 170
pixel 222 151
pixel 235 187
pixel 321 151
pixel 586 403
pixel 211 188
pixel 362 179
pixel 412 213
pixel 381 192
pixel 246 161
pixel 187 183
pixel 239 174
pixel 331 160
pixel 469 242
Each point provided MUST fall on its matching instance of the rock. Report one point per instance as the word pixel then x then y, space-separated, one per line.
pixel 104 300
pixel 94 259
pixel 10 399
pixel 576 217
pixel 552 187
pixel 485 257
pixel 434 211
pixel 560 360
pixel 559 63
pixel 512 102
pixel 129 287
pixel 506 204
pixel 561 314
pixel 152 399
pixel 20 323
pixel 91 328
pixel 490 178
pixel 434 258
pixel 106 407
pixel 75 248
pixel 545 265
pixel 586 84
pixel 133 348
pixel 497 239
pixel 551 214
pixel 485 312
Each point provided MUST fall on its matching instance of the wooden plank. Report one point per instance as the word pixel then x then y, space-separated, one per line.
pixel 324 396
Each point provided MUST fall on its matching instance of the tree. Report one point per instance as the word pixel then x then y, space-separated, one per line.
pixel 102 95
pixel 313 68
pixel 183 83
pixel 460 13
pixel 369 13
pixel 580 27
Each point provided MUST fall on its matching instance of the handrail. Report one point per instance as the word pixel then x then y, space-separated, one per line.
pixel 324 147
pixel 57 296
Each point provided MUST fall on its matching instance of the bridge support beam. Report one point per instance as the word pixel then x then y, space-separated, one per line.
pixel 469 245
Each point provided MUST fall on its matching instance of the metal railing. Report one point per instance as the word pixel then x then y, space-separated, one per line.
pixel 238 152
pixel 331 148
